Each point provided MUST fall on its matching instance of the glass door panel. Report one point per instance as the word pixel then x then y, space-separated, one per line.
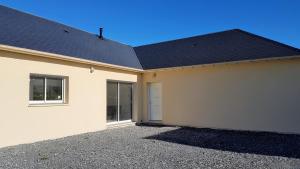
pixel 112 101
pixel 125 101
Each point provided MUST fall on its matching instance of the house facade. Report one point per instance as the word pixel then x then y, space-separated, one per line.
pixel 59 81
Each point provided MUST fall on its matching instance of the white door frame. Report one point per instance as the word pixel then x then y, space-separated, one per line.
pixel 148 102
pixel 118 102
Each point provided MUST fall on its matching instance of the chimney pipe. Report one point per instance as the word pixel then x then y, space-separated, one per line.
pixel 101 33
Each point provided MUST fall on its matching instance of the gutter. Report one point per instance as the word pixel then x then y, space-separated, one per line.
pixel 65 58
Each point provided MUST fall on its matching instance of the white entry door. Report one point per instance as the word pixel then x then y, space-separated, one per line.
pixel 154 101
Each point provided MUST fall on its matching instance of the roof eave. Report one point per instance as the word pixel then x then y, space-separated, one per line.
pixel 220 63
pixel 65 58
pixel 112 66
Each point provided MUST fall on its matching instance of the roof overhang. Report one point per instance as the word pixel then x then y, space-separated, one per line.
pixel 221 63
pixel 106 65
pixel 65 58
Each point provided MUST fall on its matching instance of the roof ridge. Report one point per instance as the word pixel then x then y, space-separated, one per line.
pixel 269 40
pixel 196 36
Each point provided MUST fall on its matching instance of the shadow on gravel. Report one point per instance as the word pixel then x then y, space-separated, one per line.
pixel 263 143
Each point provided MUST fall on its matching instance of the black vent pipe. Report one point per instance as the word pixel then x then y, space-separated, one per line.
pixel 101 33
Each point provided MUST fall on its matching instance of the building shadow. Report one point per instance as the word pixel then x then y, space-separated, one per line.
pixel 262 143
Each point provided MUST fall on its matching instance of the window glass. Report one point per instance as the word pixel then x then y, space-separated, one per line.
pixel 125 101
pixel 44 89
pixel 54 89
pixel 112 101
pixel 37 89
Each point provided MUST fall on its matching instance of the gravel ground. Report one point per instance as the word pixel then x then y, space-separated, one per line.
pixel 158 147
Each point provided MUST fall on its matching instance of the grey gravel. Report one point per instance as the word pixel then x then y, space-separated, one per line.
pixel 158 147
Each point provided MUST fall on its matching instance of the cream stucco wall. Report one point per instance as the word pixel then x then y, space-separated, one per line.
pixel 84 112
pixel 261 95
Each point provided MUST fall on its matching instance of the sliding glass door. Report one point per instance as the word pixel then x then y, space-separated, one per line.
pixel 112 102
pixel 119 101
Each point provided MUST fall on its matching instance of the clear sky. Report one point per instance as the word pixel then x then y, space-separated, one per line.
pixel 138 22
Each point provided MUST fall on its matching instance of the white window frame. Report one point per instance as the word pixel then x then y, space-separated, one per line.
pixel 45 101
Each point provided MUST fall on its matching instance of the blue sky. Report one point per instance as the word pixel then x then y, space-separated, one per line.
pixel 138 22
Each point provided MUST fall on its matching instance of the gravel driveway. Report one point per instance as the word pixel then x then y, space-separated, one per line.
pixel 158 147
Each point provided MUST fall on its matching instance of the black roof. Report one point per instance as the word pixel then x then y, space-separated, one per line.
pixel 226 46
pixel 27 31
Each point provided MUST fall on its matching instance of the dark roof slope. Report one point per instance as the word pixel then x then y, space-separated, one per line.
pixel 27 31
pixel 231 45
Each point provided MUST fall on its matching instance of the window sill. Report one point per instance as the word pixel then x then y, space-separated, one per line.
pixel 47 104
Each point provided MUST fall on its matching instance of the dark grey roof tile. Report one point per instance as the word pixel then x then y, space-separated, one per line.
pixel 226 46
pixel 31 32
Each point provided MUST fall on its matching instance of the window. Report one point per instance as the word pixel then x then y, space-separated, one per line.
pixel 119 101
pixel 46 89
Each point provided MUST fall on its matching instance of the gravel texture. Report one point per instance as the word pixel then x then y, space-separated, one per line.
pixel 158 147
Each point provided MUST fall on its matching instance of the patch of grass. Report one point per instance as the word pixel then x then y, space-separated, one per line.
pixel 43 156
